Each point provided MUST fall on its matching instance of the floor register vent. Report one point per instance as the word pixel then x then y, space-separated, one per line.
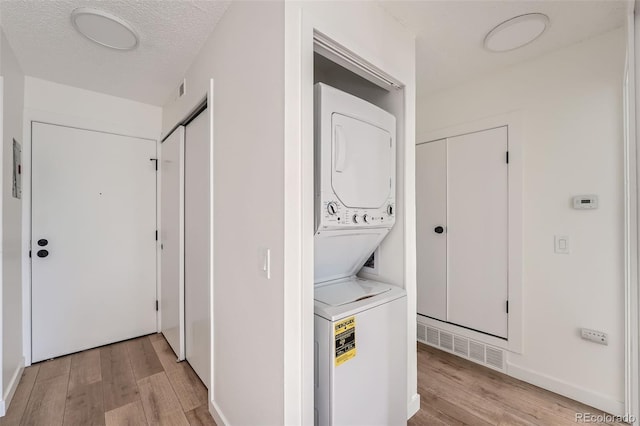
pixel 462 346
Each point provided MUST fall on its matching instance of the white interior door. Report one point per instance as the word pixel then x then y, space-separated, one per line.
pixel 431 206
pixel 172 240
pixel 93 239
pixel 197 256
pixel 477 230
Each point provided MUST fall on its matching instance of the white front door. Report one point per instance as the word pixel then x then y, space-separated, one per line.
pixel 172 239
pixel 93 239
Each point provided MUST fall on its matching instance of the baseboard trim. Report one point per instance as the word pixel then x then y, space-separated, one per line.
pixel 217 415
pixel 11 389
pixel 414 405
pixel 586 396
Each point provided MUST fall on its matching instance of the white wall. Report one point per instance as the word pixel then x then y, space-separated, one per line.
pixel 381 41
pixel 55 103
pixel 263 329
pixel 571 102
pixel 244 56
pixel 84 108
pixel 11 311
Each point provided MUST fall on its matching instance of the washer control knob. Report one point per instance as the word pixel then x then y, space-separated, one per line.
pixel 365 217
pixel 356 218
pixel 390 210
pixel 332 208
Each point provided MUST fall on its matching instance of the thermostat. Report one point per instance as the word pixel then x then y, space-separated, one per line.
pixel 585 202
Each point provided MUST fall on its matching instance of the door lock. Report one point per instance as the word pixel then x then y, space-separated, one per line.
pixel 438 230
pixel 43 242
pixel 42 253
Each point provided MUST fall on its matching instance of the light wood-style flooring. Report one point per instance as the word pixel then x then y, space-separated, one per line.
pixel 454 391
pixel 137 382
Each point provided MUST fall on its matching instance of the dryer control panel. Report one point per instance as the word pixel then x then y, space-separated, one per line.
pixel 334 215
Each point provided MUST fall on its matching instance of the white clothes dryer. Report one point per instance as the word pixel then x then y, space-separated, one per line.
pixel 355 162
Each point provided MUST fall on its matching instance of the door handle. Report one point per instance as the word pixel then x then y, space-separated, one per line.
pixel 340 154
pixel 43 242
pixel 438 229
pixel 42 253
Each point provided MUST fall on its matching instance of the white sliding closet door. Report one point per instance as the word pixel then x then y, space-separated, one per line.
pixel 172 240
pixel 477 230
pixel 197 253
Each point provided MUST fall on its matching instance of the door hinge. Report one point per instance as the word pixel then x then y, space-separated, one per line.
pixel 29 253
pixel 155 160
pixel 507 157
pixel 156 305
pixel 507 306
pixel 156 235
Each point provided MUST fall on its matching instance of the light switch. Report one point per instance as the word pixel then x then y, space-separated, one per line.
pixel 266 263
pixel 562 244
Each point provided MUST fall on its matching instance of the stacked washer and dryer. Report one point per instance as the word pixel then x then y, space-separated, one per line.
pixel 360 325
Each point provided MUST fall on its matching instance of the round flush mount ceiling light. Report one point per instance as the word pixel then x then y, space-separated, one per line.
pixel 516 32
pixel 105 29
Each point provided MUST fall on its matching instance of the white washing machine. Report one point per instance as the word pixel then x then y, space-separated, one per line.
pixel 360 325
pixel 361 353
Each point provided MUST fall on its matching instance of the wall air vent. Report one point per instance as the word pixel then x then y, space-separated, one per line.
pixel 476 351
pixel 446 341
pixel 433 337
pixel 422 332
pixel 463 347
pixel 182 88
pixel 495 357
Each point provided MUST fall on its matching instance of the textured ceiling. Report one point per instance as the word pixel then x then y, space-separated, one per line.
pixel 450 33
pixel 171 34
pixel 449 39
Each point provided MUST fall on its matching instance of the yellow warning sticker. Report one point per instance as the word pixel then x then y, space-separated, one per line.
pixel 345 337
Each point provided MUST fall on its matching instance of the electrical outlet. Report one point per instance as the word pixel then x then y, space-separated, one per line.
pixel 594 336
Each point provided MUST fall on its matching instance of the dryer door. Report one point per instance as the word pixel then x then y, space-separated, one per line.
pixel 362 162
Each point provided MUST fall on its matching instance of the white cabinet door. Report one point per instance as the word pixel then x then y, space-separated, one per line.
pixel 172 238
pixel 477 231
pixel 431 205
pixel 197 279
pixel 94 245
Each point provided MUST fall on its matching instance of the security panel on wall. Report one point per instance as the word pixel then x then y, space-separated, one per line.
pixel 360 325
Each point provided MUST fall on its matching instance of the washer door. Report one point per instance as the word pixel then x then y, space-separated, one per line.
pixel 339 254
pixel 362 156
